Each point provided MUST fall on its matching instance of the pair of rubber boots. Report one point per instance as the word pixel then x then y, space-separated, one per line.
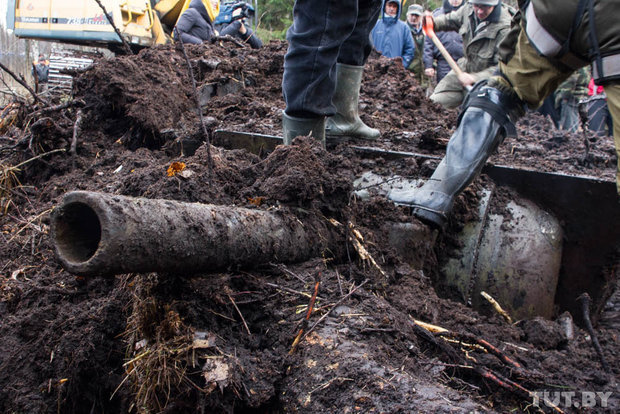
pixel 487 117
pixel 345 123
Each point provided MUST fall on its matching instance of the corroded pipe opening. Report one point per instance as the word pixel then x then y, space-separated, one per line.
pixel 103 234
pixel 78 232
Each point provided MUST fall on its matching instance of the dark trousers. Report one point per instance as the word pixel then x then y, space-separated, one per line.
pixel 599 118
pixel 324 32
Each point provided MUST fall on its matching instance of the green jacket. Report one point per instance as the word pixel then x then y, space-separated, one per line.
pixel 481 41
pixel 417 65
pixel 556 17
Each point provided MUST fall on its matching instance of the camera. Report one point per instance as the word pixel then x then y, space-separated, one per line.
pixel 233 10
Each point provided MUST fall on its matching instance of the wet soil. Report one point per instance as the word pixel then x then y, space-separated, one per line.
pixel 225 341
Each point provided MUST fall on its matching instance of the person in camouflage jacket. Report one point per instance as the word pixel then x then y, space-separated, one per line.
pixel 483 24
pixel 547 42
pixel 567 97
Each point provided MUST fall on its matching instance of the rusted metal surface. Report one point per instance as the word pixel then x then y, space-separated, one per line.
pixel 103 234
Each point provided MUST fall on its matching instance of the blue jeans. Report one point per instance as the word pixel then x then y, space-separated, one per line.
pixel 323 33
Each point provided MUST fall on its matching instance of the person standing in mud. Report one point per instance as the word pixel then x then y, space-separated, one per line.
pixel 483 25
pixel 196 23
pixel 549 40
pixel 328 46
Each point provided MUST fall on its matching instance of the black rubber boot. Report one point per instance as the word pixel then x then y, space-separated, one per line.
pixel 347 123
pixel 488 116
pixel 294 127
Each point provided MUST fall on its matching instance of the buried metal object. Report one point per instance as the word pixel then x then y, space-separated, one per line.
pixel 103 234
pixel 515 256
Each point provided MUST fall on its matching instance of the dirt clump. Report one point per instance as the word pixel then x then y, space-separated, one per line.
pixel 225 341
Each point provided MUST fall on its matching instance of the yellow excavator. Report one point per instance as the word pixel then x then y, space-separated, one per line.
pixel 142 23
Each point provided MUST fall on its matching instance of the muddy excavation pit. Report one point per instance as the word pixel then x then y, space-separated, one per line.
pixel 241 278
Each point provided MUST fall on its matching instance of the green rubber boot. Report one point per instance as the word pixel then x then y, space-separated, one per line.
pixel 487 118
pixel 347 123
pixel 295 127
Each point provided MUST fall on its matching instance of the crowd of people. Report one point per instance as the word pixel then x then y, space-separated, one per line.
pixel 508 61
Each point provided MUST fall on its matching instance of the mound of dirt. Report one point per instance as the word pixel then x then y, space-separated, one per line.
pixel 332 334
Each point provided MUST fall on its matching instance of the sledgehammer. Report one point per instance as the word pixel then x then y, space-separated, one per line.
pixel 429 30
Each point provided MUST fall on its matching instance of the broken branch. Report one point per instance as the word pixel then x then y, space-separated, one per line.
pixel 345 297
pixel 496 306
pixel 197 100
pixel 227 38
pixel 304 323
pixel 585 300
pixel 240 314
pixel 76 129
pixel 126 46
pixel 21 81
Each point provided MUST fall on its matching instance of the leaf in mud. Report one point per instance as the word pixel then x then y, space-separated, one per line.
pixel 257 201
pixel 216 373
pixel 175 168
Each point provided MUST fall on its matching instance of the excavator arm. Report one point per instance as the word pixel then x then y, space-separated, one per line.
pixel 142 23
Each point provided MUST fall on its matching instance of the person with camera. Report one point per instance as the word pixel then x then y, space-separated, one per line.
pixel 240 30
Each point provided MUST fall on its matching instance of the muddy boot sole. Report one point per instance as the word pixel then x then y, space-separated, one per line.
pixel 435 219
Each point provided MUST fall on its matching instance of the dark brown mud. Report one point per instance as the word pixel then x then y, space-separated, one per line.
pixel 222 341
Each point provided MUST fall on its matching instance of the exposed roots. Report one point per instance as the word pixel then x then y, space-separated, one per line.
pixel 158 353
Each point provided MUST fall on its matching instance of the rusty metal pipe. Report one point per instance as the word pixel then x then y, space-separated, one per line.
pixel 103 234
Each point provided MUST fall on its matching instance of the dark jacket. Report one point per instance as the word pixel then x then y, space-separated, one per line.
pixel 452 41
pixel 392 38
pixel 249 37
pixel 41 69
pixel 481 38
pixel 194 25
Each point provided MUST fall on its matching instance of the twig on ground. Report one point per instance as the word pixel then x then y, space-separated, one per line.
pixel 339 282
pixel 227 38
pixel 76 129
pixel 126 46
pixel 22 82
pixel 197 100
pixel 54 108
pixel 240 314
pixel 304 323
pixel 481 370
pixel 29 223
pixel 496 306
pixel 442 332
pixel 289 290
pixel 286 270
pixel 584 299
pixel 345 297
